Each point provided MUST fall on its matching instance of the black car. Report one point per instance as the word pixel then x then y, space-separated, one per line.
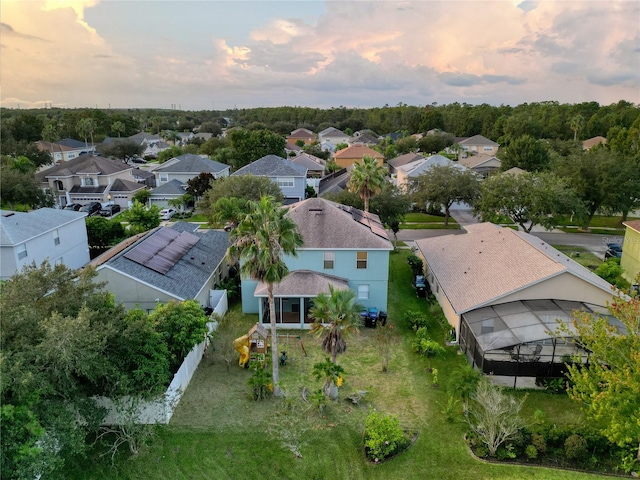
pixel 138 160
pixel 614 250
pixel 91 208
pixel 72 206
pixel 110 210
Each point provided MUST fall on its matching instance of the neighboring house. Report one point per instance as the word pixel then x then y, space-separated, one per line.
pixel 290 177
pixel 592 142
pixel 366 137
pixel 145 177
pixel 59 236
pixel 203 136
pixel 354 154
pixel 184 137
pixel 65 150
pixel 402 160
pixel 188 166
pixel 476 145
pixel 166 264
pixel 314 166
pixel 307 136
pixel 90 178
pixel 514 171
pixel 343 247
pixel 292 148
pixel 411 170
pixel 630 260
pixel 330 137
pixel 483 165
pixel 503 292
pixel 171 190
pixel 152 143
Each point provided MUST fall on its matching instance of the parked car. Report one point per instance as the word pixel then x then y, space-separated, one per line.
pixel 138 160
pixel 110 210
pixel 91 208
pixel 167 213
pixel 420 284
pixel 72 206
pixel 614 251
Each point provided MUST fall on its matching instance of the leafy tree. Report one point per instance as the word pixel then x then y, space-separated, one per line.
pixel 612 272
pixel 182 202
pixel 123 149
pixel 336 318
pixel 169 153
pixel 391 205
pixel 26 127
pixel 528 199
pixel 86 128
pixel 259 242
pixel 463 383
pixel 435 143
pixel 346 197
pixel 102 232
pixel 444 185
pixel 525 152
pixel 213 145
pixel 367 179
pixel 211 127
pixel 250 145
pixel 20 188
pixel 142 196
pixel 118 127
pixel 141 218
pixel 50 132
pixel 406 145
pixel 245 187
pixel 316 150
pixel 182 325
pixel 198 186
pixel 494 416
pixel 608 387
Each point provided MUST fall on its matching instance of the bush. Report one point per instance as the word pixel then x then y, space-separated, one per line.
pixel 260 381
pixel 383 436
pixel 531 452
pixel 575 447
pixel 416 264
pixel 538 441
pixel 415 319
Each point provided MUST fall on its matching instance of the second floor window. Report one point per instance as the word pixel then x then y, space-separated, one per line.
pixel 56 237
pixel 58 185
pixel 329 259
pixel 88 182
pixel 361 260
pixel 164 177
pixel 22 251
pixel 285 182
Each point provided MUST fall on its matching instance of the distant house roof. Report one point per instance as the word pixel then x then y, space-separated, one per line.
pixel 308 161
pixel 52 147
pixel 303 283
pixel 478 140
pixel 514 171
pixel 490 262
pixel 190 163
pixel 174 187
pixel 144 137
pixel 476 161
pixel 332 132
pixel 292 147
pixel 401 160
pixel 18 227
pixel 273 166
pixel 186 278
pixel 125 186
pixel 204 135
pixel 325 224
pixel 139 173
pixel 357 150
pixel 364 137
pixel 73 143
pixel 301 133
pixel 418 167
pixel 84 164
pixel 592 142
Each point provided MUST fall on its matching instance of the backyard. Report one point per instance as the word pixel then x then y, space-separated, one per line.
pixel 219 432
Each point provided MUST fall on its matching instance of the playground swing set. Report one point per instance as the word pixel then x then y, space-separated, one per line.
pixel 254 346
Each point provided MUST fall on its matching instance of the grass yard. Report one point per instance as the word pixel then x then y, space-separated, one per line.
pixel 424 221
pixel 581 255
pixel 218 432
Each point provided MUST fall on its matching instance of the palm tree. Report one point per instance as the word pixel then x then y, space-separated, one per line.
pixel 259 242
pixel 337 317
pixel 463 383
pixel 577 122
pixel 367 179
pixel 119 127
pixel 85 128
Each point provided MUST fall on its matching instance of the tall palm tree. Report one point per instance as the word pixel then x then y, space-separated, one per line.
pixel 119 127
pixel 85 128
pixel 337 317
pixel 259 241
pixel 576 124
pixel 367 179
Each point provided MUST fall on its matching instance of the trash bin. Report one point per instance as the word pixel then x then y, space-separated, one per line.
pixel 382 318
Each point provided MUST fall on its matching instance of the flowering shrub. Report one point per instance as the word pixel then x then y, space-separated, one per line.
pixel 383 436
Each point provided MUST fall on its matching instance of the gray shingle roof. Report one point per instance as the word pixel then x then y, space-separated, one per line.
pixel 189 274
pixel 303 283
pixel 478 140
pixel 120 185
pixel 174 187
pixel 273 166
pixel 324 224
pixel 190 163
pixel 419 167
pixel 18 227
pixel 406 158
pixel 73 143
pixel 307 161
pixel 84 164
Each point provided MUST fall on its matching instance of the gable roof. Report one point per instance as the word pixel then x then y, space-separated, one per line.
pixel 633 225
pixel 120 185
pixel 84 164
pixel 301 133
pixel 52 147
pixel 141 173
pixel 419 167
pixel 18 227
pixel 303 283
pixel 308 161
pixel 405 159
pixel 332 132
pixel 272 166
pixel 490 262
pixel 190 163
pixel 327 225
pixel 475 161
pixel 186 278
pixel 592 142
pixel 73 144
pixel 514 171
pixel 357 150
pixel 174 187
pixel 141 137
pixel 364 137
pixel 478 140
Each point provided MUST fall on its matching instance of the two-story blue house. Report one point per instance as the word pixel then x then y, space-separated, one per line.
pixel 290 177
pixel 343 247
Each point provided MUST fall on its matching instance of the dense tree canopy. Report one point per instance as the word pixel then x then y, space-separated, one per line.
pixel 122 149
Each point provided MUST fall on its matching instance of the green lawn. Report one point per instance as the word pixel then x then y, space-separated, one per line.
pixel 600 221
pixel 218 432
pixel 417 217
pixel 581 255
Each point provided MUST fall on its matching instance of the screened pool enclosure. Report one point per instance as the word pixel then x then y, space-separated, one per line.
pixel 522 338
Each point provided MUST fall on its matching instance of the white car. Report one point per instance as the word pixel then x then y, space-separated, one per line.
pixel 167 213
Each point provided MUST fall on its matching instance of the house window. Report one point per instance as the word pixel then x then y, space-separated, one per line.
pixel 71 155
pixel 58 185
pixel 87 182
pixel 361 260
pixel 285 182
pixel 22 251
pixel 164 177
pixel 363 292
pixel 56 237
pixel 329 259
pixel 487 149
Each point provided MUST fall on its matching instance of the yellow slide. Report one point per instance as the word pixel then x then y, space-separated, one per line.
pixel 241 344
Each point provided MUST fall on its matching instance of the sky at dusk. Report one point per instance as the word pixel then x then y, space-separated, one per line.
pixel 202 55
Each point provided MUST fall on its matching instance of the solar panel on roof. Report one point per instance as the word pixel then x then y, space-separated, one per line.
pixel 162 250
